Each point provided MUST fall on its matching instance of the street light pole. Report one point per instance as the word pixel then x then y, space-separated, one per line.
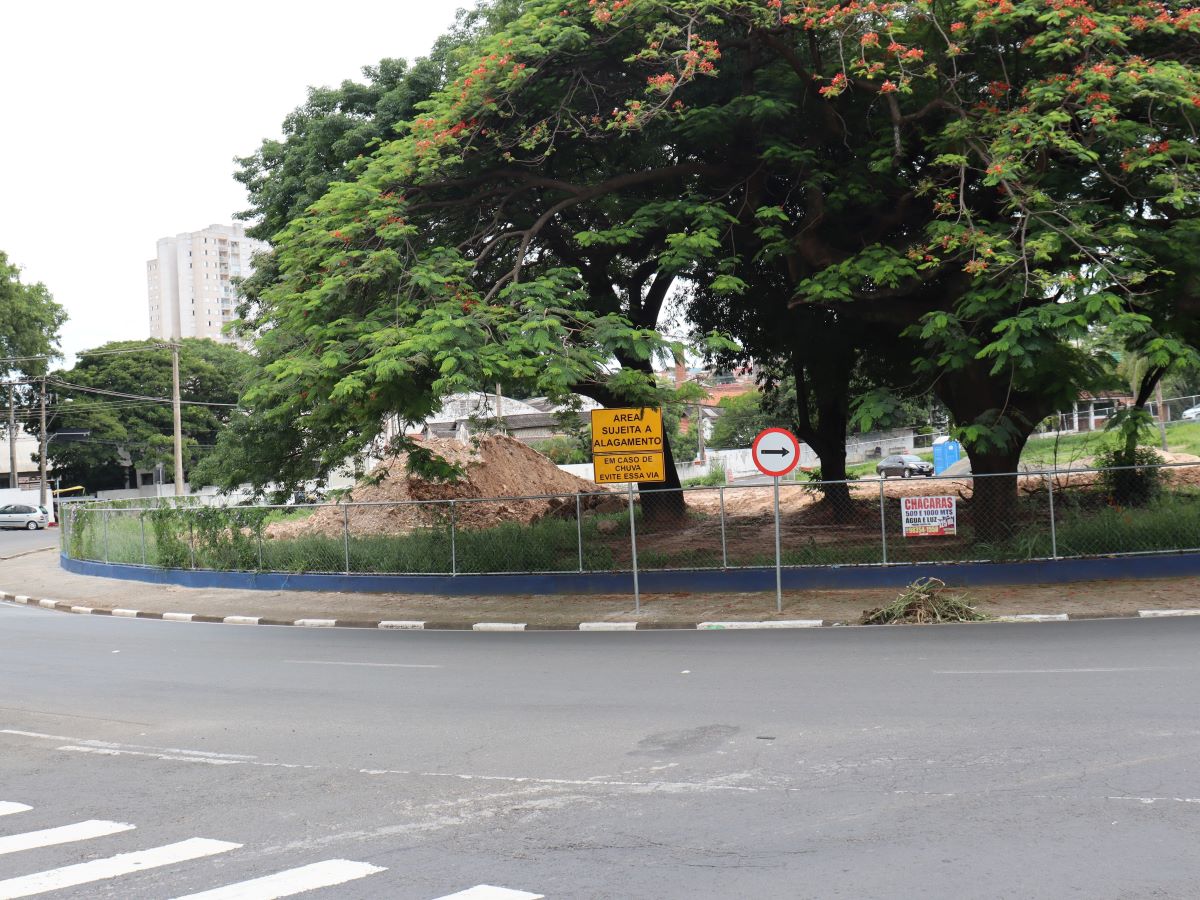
pixel 177 416
pixel 12 436
pixel 42 451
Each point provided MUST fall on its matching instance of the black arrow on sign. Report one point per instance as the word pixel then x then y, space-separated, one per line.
pixel 782 451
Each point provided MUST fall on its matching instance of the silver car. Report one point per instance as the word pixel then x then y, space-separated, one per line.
pixel 18 515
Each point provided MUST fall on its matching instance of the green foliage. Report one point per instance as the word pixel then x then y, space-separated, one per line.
pixel 715 477
pixel 131 433
pixel 978 189
pixel 30 322
pixel 563 450
pixel 1130 477
pixel 742 418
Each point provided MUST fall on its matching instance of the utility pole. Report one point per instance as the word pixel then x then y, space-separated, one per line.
pixel 699 432
pixel 12 436
pixel 42 451
pixel 176 414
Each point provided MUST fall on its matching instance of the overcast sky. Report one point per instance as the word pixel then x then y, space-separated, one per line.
pixel 121 121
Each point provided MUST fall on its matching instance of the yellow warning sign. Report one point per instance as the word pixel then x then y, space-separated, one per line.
pixel 627 445
pixel 623 467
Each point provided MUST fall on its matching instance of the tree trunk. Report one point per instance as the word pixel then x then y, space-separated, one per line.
pixel 662 502
pixel 993 507
pixel 976 397
pixel 831 449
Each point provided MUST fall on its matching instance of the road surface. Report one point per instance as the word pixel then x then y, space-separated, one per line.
pixel 988 761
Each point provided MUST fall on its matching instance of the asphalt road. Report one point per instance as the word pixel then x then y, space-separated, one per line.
pixel 17 540
pixel 1054 760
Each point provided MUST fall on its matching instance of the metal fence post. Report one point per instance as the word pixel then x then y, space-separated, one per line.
pixel 882 520
pixel 258 539
pixel 579 528
pixel 346 534
pixel 637 593
pixel 453 541
pixel 142 528
pixel 724 545
pixel 105 518
pixel 1053 527
pixel 192 543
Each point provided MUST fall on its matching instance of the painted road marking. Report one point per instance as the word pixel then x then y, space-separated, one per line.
pixel 292 881
pixel 240 620
pixel 125 613
pixel 608 626
pixel 65 834
pixel 1159 613
pixel 490 892
pixel 315 623
pixel 403 625
pixel 111 867
pixel 498 626
pixel 1046 671
pixel 778 623
pixel 371 665
pixel 177 617
pixel 7 808
pixel 1034 617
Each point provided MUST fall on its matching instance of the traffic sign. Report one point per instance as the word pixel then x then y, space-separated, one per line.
pixel 775 452
pixel 628 467
pixel 627 445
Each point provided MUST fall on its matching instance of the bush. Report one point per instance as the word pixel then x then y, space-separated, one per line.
pixel 1130 478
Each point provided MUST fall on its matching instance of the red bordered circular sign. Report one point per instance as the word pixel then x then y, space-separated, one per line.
pixel 776 452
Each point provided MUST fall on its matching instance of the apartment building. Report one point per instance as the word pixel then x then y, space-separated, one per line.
pixel 190 283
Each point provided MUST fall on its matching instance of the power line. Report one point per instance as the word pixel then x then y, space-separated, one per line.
pixel 91 390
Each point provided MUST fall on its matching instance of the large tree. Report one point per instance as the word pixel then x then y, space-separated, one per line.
pixel 30 322
pixel 986 178
pixel 108 394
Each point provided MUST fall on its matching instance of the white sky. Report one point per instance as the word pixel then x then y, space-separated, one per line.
pixel 122 119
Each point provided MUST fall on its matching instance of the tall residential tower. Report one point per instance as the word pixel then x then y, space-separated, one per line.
pixel 190 282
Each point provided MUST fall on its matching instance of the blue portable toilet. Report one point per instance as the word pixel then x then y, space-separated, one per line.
pixel 945 454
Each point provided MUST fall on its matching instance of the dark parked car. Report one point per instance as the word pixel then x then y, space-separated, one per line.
pixel 905 465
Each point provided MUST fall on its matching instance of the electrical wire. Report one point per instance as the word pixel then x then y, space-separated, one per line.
pixel 90 390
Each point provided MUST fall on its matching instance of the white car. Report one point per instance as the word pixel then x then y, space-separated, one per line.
pixel 1190 415
pixel 18 515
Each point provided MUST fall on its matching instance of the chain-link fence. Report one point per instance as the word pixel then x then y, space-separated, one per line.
pixel 1018 516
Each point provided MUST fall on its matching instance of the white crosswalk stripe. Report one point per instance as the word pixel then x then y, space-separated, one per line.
pixel 286 883
pixel 64 834
pixel 291 882
pixel 489 892
pixel 111 867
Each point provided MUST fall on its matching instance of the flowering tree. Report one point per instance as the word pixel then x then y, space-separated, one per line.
pixel 991 178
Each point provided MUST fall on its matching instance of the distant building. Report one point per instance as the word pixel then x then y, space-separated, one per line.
pixel 190 282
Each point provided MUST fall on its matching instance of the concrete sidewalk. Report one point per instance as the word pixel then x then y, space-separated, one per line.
pixel 37 575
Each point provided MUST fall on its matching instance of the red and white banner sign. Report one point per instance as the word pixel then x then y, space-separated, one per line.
pixel 928 516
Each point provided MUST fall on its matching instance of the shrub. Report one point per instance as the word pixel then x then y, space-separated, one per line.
pixel 1130 478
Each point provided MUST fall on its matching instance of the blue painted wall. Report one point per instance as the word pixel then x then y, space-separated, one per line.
pixel 1060 571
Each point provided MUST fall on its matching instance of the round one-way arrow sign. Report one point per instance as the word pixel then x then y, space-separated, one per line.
pixel 776 451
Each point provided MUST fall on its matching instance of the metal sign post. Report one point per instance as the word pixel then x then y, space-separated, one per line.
pixel 637 593
pixel 775 452
pixel 627 446
pixel 778 559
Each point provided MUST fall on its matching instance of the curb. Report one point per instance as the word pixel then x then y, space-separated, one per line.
pixel 414 625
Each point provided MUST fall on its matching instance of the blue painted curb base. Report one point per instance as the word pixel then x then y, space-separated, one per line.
pixel 1060 571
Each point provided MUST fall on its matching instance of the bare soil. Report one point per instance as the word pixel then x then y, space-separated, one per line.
pixel 496 467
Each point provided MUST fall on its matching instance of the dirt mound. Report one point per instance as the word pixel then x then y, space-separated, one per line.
pixel 498 467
